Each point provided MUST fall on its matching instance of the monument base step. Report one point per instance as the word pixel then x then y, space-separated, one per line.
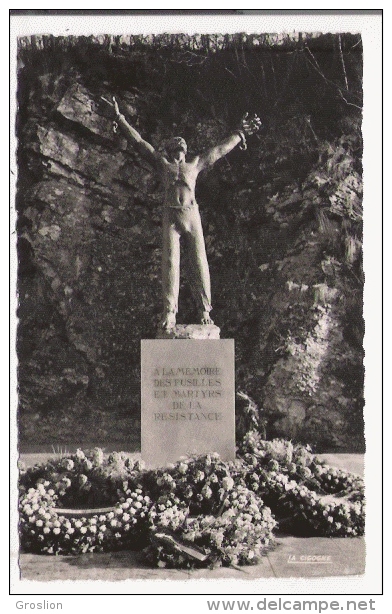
pixel 191 331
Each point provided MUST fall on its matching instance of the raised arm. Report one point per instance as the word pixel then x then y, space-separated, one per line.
pixel 209 157
pixel 248 127
pixel 133 136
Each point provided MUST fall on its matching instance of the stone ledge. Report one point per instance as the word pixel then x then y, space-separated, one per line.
pixel 191 331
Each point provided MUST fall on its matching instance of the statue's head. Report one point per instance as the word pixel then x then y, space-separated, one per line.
pixel 176 146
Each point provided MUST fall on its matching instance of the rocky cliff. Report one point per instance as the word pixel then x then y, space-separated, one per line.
pixel 282 223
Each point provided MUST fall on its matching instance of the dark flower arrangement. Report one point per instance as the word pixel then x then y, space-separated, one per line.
pixel 307 496
pixel 197 512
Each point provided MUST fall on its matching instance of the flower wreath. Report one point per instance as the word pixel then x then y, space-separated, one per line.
pixel 200 511
pixel 307 496
pixel 47 527
pixel 234 528
pixel 240 535
pixel 205 515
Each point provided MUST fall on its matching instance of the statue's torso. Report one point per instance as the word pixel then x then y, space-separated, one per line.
pixel 179 180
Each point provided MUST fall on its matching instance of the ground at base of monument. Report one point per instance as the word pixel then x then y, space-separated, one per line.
pixel 299 557
pixel 311 557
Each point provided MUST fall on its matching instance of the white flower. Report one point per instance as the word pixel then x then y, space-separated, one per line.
pixel 207 492
pixel 227 483
pixel 56 530
pixel 83 530
pixel 98 456
pixel 182 468
pixel 83 479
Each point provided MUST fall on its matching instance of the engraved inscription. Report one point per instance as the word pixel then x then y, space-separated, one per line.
pixel 187 399
pixel 185 392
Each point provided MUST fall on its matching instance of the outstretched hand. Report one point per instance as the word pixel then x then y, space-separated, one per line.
pixel 116 109
pixel 250 125
pixel 113 104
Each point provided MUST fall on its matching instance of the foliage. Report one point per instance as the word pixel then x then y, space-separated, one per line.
pixel 248 417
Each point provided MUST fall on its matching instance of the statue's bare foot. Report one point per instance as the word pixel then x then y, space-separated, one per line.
pixel 168 322
pixel 205 318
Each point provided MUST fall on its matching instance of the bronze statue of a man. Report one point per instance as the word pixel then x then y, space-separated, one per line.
pixel 181 217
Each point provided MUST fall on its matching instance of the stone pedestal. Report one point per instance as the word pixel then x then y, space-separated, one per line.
pixel 191 331
pixel 187 398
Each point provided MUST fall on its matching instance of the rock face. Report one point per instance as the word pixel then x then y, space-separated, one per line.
pixel 282 223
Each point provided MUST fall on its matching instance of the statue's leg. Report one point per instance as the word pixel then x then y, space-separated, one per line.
pixel 199 270
pixel 170 270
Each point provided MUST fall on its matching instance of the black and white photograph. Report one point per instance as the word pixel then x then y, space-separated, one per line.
pixel 194 397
